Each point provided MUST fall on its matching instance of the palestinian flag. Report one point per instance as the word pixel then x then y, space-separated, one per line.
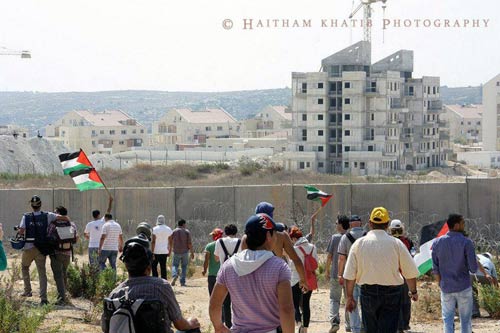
pixel 316 195
pixel 87 179
pixel 428 234
pixel 74 161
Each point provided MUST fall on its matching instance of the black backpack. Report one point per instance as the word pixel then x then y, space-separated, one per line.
pixel 225 249
pixel 125 315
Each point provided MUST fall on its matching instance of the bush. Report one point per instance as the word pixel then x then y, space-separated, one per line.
pixel 490 300
pixel 247 166
pixel 83 281
pixel 108 280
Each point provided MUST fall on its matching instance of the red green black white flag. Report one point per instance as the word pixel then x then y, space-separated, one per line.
pixel 87 179
pixel 74 161
pixel 428 234
pixel 316 195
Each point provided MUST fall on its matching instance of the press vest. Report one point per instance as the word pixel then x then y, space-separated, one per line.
pixel 36 227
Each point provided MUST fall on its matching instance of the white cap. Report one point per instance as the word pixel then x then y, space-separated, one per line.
pixel 395 224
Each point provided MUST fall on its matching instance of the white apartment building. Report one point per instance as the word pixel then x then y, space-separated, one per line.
pixel 491 114
pixel 271 120
pixel 107 132
pixel 464 123
pixel 362 118
pixel 185 126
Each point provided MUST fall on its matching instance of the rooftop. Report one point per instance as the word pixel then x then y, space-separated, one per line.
pixel 467 111
pixel 281 109
pixel 208 116
pixel 108 118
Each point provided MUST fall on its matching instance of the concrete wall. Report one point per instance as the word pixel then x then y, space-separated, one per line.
pixel 207 207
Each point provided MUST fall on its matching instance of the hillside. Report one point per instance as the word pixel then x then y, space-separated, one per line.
pixel 36 109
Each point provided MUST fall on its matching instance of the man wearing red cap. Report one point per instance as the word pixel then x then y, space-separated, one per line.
pixel 210 263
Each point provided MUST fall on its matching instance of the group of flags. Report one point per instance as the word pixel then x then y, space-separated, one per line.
pixel 80 169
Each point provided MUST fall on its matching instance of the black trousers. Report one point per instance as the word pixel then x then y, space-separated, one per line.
pixel 405 313
pixel 380 306
pixel 162 260
pixel 301 299
pixel 226 307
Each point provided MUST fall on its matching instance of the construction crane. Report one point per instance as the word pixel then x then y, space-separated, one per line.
pixel 24 54
pixel 367 14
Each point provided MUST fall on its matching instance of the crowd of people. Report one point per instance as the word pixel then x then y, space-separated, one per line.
pixel 263 282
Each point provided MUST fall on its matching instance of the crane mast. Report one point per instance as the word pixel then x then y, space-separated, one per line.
pixel 367 15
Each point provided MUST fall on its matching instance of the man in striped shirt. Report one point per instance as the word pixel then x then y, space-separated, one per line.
pixel 111 242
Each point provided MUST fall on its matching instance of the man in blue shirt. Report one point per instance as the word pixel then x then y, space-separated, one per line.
pixel 453 259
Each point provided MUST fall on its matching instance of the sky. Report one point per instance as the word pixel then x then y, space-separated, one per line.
pixel 91 45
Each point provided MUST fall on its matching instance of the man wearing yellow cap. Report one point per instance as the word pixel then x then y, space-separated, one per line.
pixel 378 262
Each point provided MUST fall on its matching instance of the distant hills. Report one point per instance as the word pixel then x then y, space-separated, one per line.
pixel 36 109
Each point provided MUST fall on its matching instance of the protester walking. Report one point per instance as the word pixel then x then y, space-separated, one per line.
pixel 331 273
pixel 355 232
pixel 486 275
pixel 93 233
pixel 111 242
pixel 181 246
pixel 259 284
pixel 302 300
pixel 37 245
pixel 378 262
pixel 210 264
pixel 453 258
pixel 159 246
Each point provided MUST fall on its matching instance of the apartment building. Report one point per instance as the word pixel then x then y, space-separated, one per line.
pixel 271 120
pixel 464 123
pixel 491 114
pixel 107 132
pixel 362 118
pixel 185 126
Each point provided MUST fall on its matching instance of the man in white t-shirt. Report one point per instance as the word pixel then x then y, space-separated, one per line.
pixel 159 246
pixel 225 248
pixel 93 232
pixel 111 242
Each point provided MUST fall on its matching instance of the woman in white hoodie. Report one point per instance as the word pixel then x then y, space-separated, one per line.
pixel 301 246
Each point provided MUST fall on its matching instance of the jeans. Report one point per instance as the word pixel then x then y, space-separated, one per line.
pixel 380 308
pixel 107 254
pixel 354 318
pixel 94 256
pixel 335 295
pixel 162 260
pixel 27 258
pixel 180 258
pixel 304 299
pixel 59 263
pixel 462 299
pixel 405 313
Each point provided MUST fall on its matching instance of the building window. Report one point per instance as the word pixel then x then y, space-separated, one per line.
pixel 308 164
pixel 347 101
pixel 362 165
pixel 320 164
pixel 373 116
pixel 333 118
pixel 320 117
pixel 219 128
pixel 320 101
pixel 208 128
pixel 347 116
pixel 333 133
pixel 304 135
pixel 320 85
pixel 411 90
pixel 320 148
pixel 370 148
pixel 301 148
pixel 304 87
pixel 134 131
pixel 142 131
pixel 301 165
pixel 347 133
pixel 111 132
pixel 355 165
pixel 320 132
pixel 347 85
pixel 124 132
pixel 121 142
pixel 101 132
pixel 304 117
pixel 347 148
pixel 346 165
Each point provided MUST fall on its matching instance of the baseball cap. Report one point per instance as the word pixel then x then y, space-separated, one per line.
pixel 216 233
pixel 355 218
pixel 487 255
pixel 136 253
pixel 379 215
pixel 259 223
pixel 281 227
pixel 265 207
pixel 396 224
pixel 36 201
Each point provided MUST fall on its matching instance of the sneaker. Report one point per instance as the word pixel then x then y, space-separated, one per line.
pixel 44 302
pixel 174 280
pixel 335 327
pixel 27 294
pixel 348 329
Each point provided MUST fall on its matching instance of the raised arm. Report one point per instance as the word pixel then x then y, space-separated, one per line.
pixel 110 204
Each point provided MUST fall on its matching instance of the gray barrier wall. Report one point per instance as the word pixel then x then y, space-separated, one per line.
pixel 207 207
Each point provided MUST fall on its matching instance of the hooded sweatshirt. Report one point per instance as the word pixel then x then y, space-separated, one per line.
pixel 303 243
pixel 252 279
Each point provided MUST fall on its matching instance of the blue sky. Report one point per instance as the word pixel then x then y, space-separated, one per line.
pixel 181 45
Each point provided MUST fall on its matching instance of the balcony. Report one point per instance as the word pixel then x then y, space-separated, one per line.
pixel 444 136
pixel 435 106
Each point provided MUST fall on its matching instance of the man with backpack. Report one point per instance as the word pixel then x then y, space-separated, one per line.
pixel 225 248
pixel 143 303
pixel 331 274
pixel 347 240
pixel 37 245
pixel 63 234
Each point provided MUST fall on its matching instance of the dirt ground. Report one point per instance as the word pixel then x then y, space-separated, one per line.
pixel 193 299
